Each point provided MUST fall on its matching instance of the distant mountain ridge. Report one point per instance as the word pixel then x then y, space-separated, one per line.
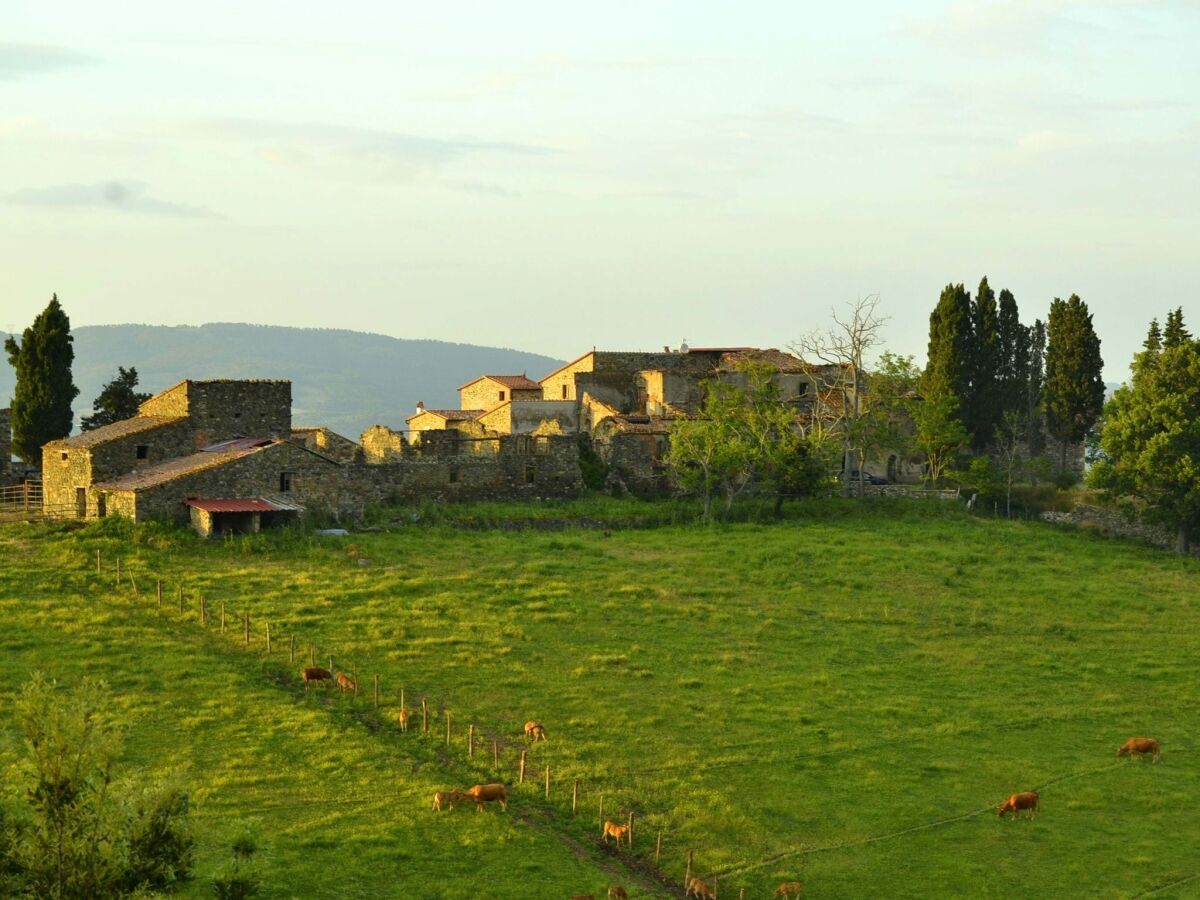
pixel 344 379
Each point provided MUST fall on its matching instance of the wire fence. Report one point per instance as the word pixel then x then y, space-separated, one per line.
pixel 482 745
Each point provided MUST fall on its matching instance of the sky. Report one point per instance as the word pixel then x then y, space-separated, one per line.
pixel 557 176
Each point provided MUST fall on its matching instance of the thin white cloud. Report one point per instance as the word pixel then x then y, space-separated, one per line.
pixel 118 196
pixel 19 60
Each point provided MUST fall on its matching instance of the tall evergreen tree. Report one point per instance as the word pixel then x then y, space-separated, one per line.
pixel 1014 356
pixel 41 404
pixel 1074 384
pixel 1035 426
pixel 1153 342
pixel 983 407
pixel 1174 334
pixel 948 367
pixel 118 400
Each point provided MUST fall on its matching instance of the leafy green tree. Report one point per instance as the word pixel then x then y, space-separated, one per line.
pixel 940 434
pixel 1010 453
pixel 948 368
pixel 1151 439
pixel 117 401
pixel 88 833
pixel 892 389
pixel 983 402
pixel 41 403
pixel 1074 388
pixel 708 453
pixel 1014 341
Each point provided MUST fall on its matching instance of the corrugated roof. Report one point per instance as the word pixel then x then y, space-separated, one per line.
pixel 516 382
pixel 121 429
pixel 238 505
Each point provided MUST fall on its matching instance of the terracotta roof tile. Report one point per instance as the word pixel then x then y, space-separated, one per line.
pixel 516 382
pixel 450 415
pixel 163 472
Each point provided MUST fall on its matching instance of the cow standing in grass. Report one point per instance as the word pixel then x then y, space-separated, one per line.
pixel 700 890
pixel 618 832
pixel 789 890
pixel 535 731
pixel 1017 802
pixel 1140 747
pixel 346 684
pixel 486 793
pixel 310 674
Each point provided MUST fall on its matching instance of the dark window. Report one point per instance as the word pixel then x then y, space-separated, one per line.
pixel 285 482
pixel 529 474
pixel 502 396
pixel 564 392
pixel 141 451
pixel 453 476
pixel 101 506
pixel 803 389
pixel 64 456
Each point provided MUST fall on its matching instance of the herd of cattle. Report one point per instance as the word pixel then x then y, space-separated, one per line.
pixel 697 889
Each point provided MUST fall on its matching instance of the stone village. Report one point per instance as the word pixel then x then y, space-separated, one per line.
pixel 225 454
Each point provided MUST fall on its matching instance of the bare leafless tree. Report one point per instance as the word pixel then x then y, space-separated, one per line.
pixel 835 360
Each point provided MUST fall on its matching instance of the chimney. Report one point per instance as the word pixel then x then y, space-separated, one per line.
pixel 420 407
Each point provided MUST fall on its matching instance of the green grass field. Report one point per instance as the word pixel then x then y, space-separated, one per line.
pixel 841 698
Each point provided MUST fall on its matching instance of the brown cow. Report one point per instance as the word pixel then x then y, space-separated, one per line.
pixel 447 797
pixel 404 718
pixel 616 892
pixel 314 673
pixel 701 891
pixel 1017 802
pixel 535 731
pixel 485 793
pixel 789 890
pixel 345 683
pixel 1140 746
pixel 583 897
pixel 620 832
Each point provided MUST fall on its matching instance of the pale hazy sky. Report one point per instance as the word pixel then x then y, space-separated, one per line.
pixel 550 176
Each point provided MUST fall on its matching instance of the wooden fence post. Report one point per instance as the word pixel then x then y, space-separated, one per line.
pixel 133 583
pixel 658 847
pixel 292 650
pixel 547 781
pixel 158 590
pixel 630 827
pixel 574 796
pixel 354 677
pixel 331 665
pixel 496 755
pixel 602 814
pixel 470 742
pixel 716 885
pixel 521 770
pixel 447 728
pixel 97 560
pixel 118 571
pixel 424 715
pixel 222 617
pixel 377 692
pixel 268 639
pixel 246 626
pixel 203 611
pixel 687 875
pixel 402 696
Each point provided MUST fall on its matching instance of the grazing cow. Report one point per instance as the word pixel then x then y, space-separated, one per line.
pixel 1140 746
pixel 535 731
pixel 583 897
pixel 619 832
pixel 1017 802
pixel 314 673
pixel 701 891
pixel 404 718
pixel 345 683
pixel 789 890
pixel 447 797
pixel 485 793
pixel 616 892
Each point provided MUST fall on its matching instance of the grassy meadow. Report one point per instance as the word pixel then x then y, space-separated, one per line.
pixel 840 698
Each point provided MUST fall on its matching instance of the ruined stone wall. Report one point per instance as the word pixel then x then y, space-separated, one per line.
pixel 221 410
pixel 327 443
pixel 381 444
pixel 1113 523
pixel 498 420
pixel 622 390
pixel 527 416
pixel 635 463
pixel 631 363
pixel 425 422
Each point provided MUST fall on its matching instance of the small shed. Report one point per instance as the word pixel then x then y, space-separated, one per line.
pixel 241 515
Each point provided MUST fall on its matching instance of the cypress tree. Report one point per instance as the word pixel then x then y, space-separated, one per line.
pixel 1074 386
pixel 1153 342
pixel 41 404
pixel 948 368
pixel 984 402
pixel 1035 389
pixel 1014 356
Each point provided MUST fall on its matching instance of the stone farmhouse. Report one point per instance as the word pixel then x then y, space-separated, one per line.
pixel 225 455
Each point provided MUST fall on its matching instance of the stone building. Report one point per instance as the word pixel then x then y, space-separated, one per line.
pixel 489 391
pixel 462 420
pixel 177 422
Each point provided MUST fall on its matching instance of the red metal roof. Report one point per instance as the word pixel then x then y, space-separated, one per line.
pixel 248 504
